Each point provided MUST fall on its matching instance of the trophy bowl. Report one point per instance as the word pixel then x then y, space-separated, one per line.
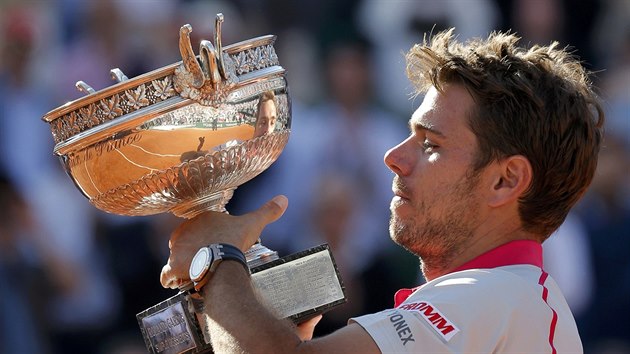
pixel 181 138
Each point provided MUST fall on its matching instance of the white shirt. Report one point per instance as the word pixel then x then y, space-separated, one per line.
pixel 511 307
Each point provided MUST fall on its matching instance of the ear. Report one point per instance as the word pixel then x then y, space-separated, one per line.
pixel 514 175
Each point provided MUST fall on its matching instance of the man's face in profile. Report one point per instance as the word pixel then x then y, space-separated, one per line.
pixel 266 121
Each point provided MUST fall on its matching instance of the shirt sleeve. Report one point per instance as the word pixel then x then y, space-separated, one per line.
pixel 400 331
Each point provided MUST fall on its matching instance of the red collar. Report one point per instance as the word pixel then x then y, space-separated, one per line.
pixel 511 253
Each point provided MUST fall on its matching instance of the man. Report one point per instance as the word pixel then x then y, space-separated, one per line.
pixel 503 145
pixel 266 114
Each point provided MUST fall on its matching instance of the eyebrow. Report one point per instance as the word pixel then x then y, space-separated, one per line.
pixel 413 126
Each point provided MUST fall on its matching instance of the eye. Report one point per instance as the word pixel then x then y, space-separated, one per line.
pixel 428 146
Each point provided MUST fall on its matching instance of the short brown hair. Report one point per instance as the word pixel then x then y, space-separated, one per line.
pixel 264 97
pixel 535 102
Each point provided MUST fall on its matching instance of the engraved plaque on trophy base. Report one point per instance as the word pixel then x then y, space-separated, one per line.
pixel 297 287
pixel 171 327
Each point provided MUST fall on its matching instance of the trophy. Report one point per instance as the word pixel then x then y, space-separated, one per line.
pixel 180 139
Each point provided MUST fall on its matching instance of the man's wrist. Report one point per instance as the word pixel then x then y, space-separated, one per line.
pixel 208 258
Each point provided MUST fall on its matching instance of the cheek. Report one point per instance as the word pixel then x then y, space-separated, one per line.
pixel 432 189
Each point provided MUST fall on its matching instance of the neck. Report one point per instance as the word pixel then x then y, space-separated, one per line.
pixel 435 266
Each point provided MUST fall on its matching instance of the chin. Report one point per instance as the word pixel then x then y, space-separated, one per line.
pixel 400 207
pixel 398 229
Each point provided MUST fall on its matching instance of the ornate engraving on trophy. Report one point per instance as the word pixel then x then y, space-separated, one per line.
pixel 111 107
pixel 255 89
pixel 255 59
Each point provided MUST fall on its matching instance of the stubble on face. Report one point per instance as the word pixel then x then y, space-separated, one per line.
pixel 438 237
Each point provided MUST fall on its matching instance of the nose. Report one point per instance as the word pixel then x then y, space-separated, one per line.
pixel 396 161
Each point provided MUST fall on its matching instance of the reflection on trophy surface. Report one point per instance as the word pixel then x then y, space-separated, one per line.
pixel 267 113
pixel 180 139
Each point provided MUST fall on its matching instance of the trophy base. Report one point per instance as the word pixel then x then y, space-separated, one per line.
pixel 296 287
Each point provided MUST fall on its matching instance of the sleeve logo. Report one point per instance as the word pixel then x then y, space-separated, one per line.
pixel 401 327
pixel 442 326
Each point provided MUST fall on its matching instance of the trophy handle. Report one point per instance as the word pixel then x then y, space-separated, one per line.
pixel 208 57
pixel 212 67
pixel 85 88
pixel 189 59
pixel 217 44
pixel 118 75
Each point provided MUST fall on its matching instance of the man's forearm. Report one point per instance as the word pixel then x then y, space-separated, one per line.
pixel 238 322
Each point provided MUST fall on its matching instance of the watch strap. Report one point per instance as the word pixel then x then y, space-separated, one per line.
pixel 229 252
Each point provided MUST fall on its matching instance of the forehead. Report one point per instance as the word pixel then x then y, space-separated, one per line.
pixel 267 103
pixel 446 112
pixel 267 106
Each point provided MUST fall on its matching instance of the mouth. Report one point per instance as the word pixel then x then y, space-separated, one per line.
pixel 400 196
pixel 400 191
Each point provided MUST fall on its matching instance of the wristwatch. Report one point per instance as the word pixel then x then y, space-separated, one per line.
pixel 205 262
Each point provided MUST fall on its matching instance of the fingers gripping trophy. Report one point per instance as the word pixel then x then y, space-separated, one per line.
pixel 180 139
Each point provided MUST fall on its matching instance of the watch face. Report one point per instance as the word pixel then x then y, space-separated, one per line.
pixel 200 264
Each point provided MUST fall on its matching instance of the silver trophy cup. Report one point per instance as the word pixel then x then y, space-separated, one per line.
pixel 180 139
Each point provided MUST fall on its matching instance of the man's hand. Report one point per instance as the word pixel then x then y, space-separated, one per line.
pixel 214 227
pixel 305 329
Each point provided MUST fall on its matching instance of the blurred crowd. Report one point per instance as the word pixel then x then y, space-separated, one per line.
pixel 72 278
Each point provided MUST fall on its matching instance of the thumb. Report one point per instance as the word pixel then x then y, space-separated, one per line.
pixel 272 210
pixel 305 329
